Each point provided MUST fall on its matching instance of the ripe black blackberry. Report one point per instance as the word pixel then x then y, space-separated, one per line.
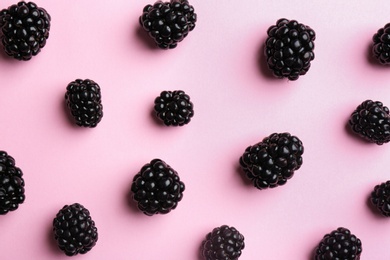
pixel 24 30
pixel 381 47
pixel 371 120
pixel 174 108
pixel 380 197
pixel 289 48
pixel 168 23
pixel 271 162
pixel 339 244
pixel 74 230
pixel 83 98
pixel 223 243
pixel 11 184
pixel 157 188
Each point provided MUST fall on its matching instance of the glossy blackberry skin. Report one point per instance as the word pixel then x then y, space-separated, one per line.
pixel 381 46
pixel 174 108
pixel 157 188
pixel 24 30
pixel 371 121
pixel 340 244
pixel 380 198
pixel 289 48
pixel 11 184
pixel 74 230
pixel 271 162
pixel 223 243
pixel 168 23
pixel 83 99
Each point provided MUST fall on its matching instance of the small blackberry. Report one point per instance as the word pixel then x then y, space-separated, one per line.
pixel 289 48
pixel 157 188
pixel 83 98
pixel 168 23
pixel 271 162
pixel 340 244
pixel 371 120
pixel 381 47
pixel 380 197
pixel 223 243
pixel 11 184
pixel 24 30
pixel 74 230
pixel 174 108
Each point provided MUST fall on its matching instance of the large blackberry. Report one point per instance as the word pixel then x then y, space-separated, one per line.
pixel 340 244
pixel 174 108
pixel 157 188
pixel 24 30
pixel 83 99
pixel 371 120
pixel 381 47
pixel 223 243
pixel 380 197
pixel 272 162
pixel 168 23
pixel 289 48
pixel 11 184
pixel 74 230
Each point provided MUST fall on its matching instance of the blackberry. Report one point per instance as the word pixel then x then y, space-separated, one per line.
pixel 271 162
pixel 371 120
pixel 74 230
pixel 223 243
pixel 174 108
pixel 340 244
pixel 381 47
pixel 11 184
pixel 157 188
pixel 83 98
pixel 168 23
pixel 24 30
pixel 289 48
pixel 380 197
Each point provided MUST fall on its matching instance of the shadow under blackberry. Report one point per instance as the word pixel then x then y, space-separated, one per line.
pixel 262 63
pixel 352 134
pixel 146 40
pixel 371 58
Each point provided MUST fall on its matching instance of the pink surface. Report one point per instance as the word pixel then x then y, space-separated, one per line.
pixel 236 104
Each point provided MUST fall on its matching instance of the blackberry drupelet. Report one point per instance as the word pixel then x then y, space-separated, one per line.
pixel 24 30
pixel 380 197
pixel 340 244
pixel 381 47
pixel 289 48
pixel 11 184
pixel 83 98
pixel 157 188
pixel 271 162
pixel 74 230
pixel 174 108
pixel 168 23
pixel 223 243
pixel 371 120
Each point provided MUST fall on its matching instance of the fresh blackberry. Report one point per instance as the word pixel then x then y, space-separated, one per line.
pixel 157 188
pixel 223 243
pixel 74 230
pixel 380 197
pixel 371 120
pixel 340 244
pixel 11 184
pixel 24 30
pixel 381 47
pixel 289 48
pixel 83 98
pixel 174 108
pixel 168 23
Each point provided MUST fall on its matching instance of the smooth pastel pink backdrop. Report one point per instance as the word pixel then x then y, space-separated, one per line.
pixel 220 65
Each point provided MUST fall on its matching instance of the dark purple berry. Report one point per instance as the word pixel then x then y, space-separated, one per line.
pixel 380 198
pixel 381 47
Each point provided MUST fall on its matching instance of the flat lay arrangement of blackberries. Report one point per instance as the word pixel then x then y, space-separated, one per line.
pixel 74 230
pixel 24 30
pixel 340 244
pixel 381 47
pixel 223 243
pixel 271 162
pixel 174 108
pixel 380 198
pixel 168 23
pixel 157 188
pixel 11 184
pixel 289 48
pixel 371 121
pixel 84 101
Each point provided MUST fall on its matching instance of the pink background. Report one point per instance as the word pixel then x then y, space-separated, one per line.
pixel 236 103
